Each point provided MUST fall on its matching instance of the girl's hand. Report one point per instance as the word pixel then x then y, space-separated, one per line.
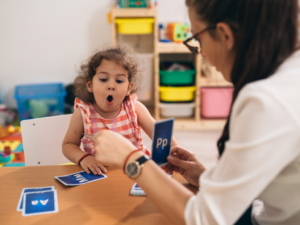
pixel 90 163
pixel 186 163
pixel 112 148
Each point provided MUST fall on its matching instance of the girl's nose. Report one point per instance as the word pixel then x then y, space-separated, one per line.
pixel 111 87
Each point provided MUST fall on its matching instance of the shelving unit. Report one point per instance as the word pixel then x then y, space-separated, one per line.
pixel 133 13
pixel 192 123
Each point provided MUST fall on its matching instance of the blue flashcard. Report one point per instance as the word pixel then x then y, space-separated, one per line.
pixel 136 190
pixel 79 178
pixel 36 203
pixel 27 190
pixel 162 141
pixel 136 186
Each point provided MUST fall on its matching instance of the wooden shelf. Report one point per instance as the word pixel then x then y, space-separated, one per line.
pixel 190 123
pixel 171 47
pixel 206 82
pixel 202 124
pixel 195 122
pixel 134 12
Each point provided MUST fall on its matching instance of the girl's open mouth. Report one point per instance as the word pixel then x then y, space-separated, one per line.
pixel 109 99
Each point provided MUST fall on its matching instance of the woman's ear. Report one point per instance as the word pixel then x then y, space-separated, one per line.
pixel 225 35
pixel 89 85
pixel 130 86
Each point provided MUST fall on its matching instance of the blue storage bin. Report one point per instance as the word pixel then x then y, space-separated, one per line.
pixel 40 100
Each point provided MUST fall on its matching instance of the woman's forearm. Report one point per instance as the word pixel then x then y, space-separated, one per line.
pixel 166 193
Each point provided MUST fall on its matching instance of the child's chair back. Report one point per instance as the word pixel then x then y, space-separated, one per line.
pixel 42 140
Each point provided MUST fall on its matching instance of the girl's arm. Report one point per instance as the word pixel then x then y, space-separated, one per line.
pixel 71 143
pixel 146 121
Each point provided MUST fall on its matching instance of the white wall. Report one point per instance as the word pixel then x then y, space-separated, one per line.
pixel 45 40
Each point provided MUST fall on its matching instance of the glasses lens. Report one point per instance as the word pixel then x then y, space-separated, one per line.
pixel 194 49
pixel 198 40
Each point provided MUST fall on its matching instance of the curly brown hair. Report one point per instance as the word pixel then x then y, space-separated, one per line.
pixel 122 55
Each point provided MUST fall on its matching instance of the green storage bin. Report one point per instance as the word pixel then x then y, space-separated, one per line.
pixel 177 78
pixel 133 3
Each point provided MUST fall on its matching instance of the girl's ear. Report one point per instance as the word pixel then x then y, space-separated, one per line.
pixel 130 86
pixel 89 85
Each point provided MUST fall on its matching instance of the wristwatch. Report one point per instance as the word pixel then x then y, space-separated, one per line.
pixel 134 169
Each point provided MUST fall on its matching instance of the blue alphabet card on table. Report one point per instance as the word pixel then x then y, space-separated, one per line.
pixel 162 141
pixel 36 203
pixel 28 190
pixel 79 178
pixel 136 190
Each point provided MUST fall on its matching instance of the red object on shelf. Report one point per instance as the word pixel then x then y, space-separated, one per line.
pixel 216 101
pixel 7 150
pixel 19 157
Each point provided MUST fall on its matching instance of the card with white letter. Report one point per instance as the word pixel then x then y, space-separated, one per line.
pixel 162 141
pixel 79 178
pixel 27 190
pixel 136 190
pixel 36 203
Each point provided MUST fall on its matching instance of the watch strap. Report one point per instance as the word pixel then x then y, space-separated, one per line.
pixel 142 159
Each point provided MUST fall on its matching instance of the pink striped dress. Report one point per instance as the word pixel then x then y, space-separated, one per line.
pixel 125 123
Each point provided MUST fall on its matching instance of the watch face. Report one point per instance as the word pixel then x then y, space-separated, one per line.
pixel 132 169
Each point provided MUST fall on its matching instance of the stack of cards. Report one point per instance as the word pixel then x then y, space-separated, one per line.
pixel 136 190
pixel 79 178
pixel 36 201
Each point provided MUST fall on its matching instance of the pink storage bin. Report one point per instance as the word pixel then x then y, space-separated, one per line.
pixel 216 101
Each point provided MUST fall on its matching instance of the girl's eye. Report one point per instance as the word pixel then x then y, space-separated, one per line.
pixel 103 80
pixel 119 81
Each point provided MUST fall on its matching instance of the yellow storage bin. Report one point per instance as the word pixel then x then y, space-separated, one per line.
pixel 135 25
pixel 176 94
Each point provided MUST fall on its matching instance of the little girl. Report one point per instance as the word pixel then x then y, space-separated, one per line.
pixel 106 99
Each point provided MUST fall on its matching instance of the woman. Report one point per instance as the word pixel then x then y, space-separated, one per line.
pixel 254 44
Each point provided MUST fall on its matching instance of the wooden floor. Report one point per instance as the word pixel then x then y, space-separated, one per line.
pixel 202 143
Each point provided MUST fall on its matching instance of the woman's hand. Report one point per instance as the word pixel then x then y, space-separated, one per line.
pixel 186 163
pixel 112 148
pixel 90 163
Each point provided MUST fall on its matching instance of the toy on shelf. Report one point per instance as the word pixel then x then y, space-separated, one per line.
pixel 3 132
pixel 6 116
pixel 6 131
pixel 6 156
pixel 178 32
pixel 136 3
pixel 163 33
pixel 40 100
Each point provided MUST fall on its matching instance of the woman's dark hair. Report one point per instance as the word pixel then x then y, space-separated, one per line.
pixel 265 32
pixel 122 55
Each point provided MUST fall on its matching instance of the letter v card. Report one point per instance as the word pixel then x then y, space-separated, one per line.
pixel 162 141
pixel 79 178
pixel 27 190
pixel 36 203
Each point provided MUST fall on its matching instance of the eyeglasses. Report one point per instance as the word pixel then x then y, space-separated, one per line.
pixel 195 49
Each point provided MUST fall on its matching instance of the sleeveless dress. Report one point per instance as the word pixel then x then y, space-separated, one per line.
pixel 125 123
